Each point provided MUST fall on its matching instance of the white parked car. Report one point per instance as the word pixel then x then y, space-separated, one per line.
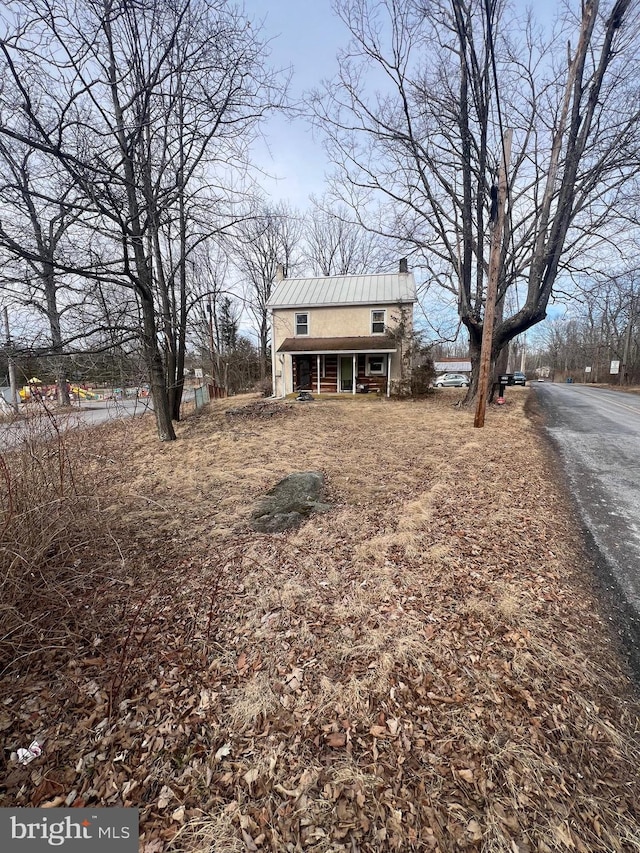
pixel 452 380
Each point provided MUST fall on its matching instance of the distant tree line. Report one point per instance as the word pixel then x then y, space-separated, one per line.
pixel 603 327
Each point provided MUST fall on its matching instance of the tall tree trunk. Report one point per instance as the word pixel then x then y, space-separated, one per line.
pixel 155 368
pixel 144 279
pixel 475 345
pixel 264 342
pixel 168 325
pixel 181 320
pixel 56 334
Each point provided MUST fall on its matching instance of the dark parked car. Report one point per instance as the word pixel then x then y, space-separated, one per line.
pixel 519 378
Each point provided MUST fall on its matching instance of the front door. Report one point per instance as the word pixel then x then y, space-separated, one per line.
pixel 346 373
pixel 304 373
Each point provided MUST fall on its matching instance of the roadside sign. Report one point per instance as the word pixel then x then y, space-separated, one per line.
pixel 615 367
pixel 587 370
pixel 198 372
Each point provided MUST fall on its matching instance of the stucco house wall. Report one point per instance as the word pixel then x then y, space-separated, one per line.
pixel 333 322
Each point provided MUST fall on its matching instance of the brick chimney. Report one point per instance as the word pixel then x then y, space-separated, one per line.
pixel 279 273
pixel 404 266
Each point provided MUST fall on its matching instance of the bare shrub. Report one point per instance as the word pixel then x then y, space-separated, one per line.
pixel 264 387
pixel 47 523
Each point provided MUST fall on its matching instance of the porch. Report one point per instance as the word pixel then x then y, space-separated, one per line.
pixel 335 365
pixel 344 373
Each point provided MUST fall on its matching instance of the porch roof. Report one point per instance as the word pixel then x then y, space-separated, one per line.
pixel 323 346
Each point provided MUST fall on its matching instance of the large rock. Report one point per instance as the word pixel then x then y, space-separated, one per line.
pixel 289 503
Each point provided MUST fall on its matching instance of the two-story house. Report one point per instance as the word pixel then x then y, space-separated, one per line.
pixel 329 334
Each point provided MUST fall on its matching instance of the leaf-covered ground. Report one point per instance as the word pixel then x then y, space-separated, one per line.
pixel 426 667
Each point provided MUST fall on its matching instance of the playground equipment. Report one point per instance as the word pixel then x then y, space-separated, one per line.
pixel 82 393
pixel 36 390
pixel 32 389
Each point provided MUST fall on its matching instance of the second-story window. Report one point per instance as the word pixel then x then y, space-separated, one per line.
pixel 377 322
pixel 302 324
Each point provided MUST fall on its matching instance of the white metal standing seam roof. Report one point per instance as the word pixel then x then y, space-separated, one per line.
pixel 344 290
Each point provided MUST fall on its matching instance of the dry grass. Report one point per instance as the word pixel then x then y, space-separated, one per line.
pixel 423 668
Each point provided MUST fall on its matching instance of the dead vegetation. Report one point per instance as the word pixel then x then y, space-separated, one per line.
pixel 423 668
pixel 260 409
pixel 49 539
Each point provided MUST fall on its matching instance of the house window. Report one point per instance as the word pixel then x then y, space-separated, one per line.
pixel 302 324
pixel 376 365
pixel 377 322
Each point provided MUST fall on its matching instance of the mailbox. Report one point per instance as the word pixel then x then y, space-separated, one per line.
pixel 504 379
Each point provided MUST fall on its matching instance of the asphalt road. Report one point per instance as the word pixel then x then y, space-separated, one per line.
pixel 97 411
pixel 88 413
pixel 597 434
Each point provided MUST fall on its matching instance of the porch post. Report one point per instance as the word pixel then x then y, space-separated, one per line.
pixel 355 373
pixel 318 357
pixel 389 375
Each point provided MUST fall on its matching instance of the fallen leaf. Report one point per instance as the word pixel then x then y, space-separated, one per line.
pixel 207 699
pixel 178 815
pixel 336 739
pixel 156 845
pixel 223 751
pixel 475 830
pixel 45 789
pixel 379 731
pixel 393 725
pixel 251 775
pixel 53 804
pixel 166 795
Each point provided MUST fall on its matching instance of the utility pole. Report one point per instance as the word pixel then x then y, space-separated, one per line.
pixel 11 363
pixel 492 284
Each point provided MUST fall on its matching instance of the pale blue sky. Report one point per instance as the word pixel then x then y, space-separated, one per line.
pixel 306 35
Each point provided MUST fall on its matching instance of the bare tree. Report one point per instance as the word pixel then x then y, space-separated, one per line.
pixel 265 241
pixel 336 244
pixel 452 75
pixel 47 268
pixel 219 309
pixel 148 108
pixel 33 232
